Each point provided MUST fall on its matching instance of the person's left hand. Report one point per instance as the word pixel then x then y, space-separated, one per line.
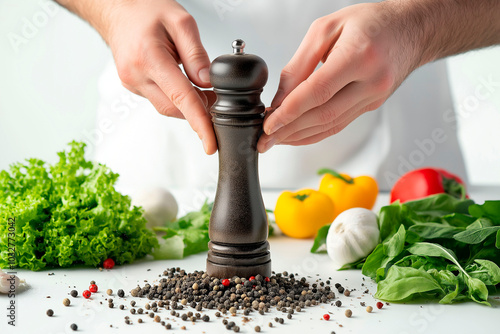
pixel 367 52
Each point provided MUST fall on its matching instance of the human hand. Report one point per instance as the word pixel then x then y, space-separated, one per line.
pixel 366 55
pixel 149 39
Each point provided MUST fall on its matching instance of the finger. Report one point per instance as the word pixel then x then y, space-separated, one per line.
pixel 316 134
pixel 345 99
pixel 317 89
pixel 167 75
pixel 306 58
pixel 132 89
pixel 210 96
pixel 160 101
pixel 185 34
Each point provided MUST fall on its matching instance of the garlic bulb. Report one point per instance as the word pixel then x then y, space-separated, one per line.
pixel 160 206
pixel 352 236
pixel 8 282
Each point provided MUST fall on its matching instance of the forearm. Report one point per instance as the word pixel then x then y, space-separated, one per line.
pixel 94 12
pixel 442 28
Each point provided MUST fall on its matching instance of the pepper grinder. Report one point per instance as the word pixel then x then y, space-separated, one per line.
pixel 238 227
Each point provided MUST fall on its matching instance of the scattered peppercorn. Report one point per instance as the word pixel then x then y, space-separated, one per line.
pixel 86 294
pixel 380 305
pixel 50 312
pixel 121 293
pixel 348 313
pixel 257 329
pixel 92 282
pixel 111 305
pixel 347 293
pixel 108 264
pixel 132 310
pixel 236 329
pixel 205 318
pixel 66 302
pixel 338 303
pixel 289 316
pixel 122 307
pixel 74 327
pixel 109 292
pixel 326 316
pixel 369 309
pixel 157 318
pixel 127 321
pixel 270 324
pixel 73 293
pixel 168 326
pixel 282 321
pixel 139 320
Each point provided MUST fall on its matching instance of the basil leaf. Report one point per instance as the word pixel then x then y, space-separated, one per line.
pixel 319 245
pixel 390 218
pixel 436 250
pixel 395 245
pixel 452 295
pixel 477 290
pixel 480 223
pixel 439 205
pixel 492 269
pixel 458 220
pixel 376 259
pixel 490 209
pixel 497 244
pixel 434 230
pixel 404 282
pixel 477 235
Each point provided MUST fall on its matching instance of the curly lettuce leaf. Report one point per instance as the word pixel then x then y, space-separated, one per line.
pixel 69 213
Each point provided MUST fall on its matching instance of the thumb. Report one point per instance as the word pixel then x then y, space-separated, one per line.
pixel 193 55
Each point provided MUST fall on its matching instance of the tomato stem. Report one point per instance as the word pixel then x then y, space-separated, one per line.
pixel 335 174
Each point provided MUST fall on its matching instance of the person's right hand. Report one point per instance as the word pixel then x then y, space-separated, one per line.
pixel 149 39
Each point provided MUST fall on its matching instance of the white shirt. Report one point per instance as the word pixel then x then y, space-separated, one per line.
pixel 411 130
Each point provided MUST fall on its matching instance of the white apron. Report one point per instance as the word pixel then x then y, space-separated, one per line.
pixel 411 130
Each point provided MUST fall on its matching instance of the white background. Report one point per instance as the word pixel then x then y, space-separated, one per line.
pixel 48 88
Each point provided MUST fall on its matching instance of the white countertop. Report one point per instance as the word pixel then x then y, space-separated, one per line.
pixel 288 254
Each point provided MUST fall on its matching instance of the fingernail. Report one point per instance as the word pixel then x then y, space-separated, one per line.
pixel 205 145
pixel 269 145
pixel 204 75
pixel 275 128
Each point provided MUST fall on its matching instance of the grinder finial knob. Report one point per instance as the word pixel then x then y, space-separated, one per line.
pixel 238 47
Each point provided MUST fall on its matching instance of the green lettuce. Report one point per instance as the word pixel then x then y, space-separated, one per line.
pixel 66 214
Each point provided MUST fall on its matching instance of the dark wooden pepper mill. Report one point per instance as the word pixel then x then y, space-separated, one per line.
pixel 238 226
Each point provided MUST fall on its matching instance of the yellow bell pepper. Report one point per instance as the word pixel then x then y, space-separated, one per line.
pixel 302 213
pixel 347 192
